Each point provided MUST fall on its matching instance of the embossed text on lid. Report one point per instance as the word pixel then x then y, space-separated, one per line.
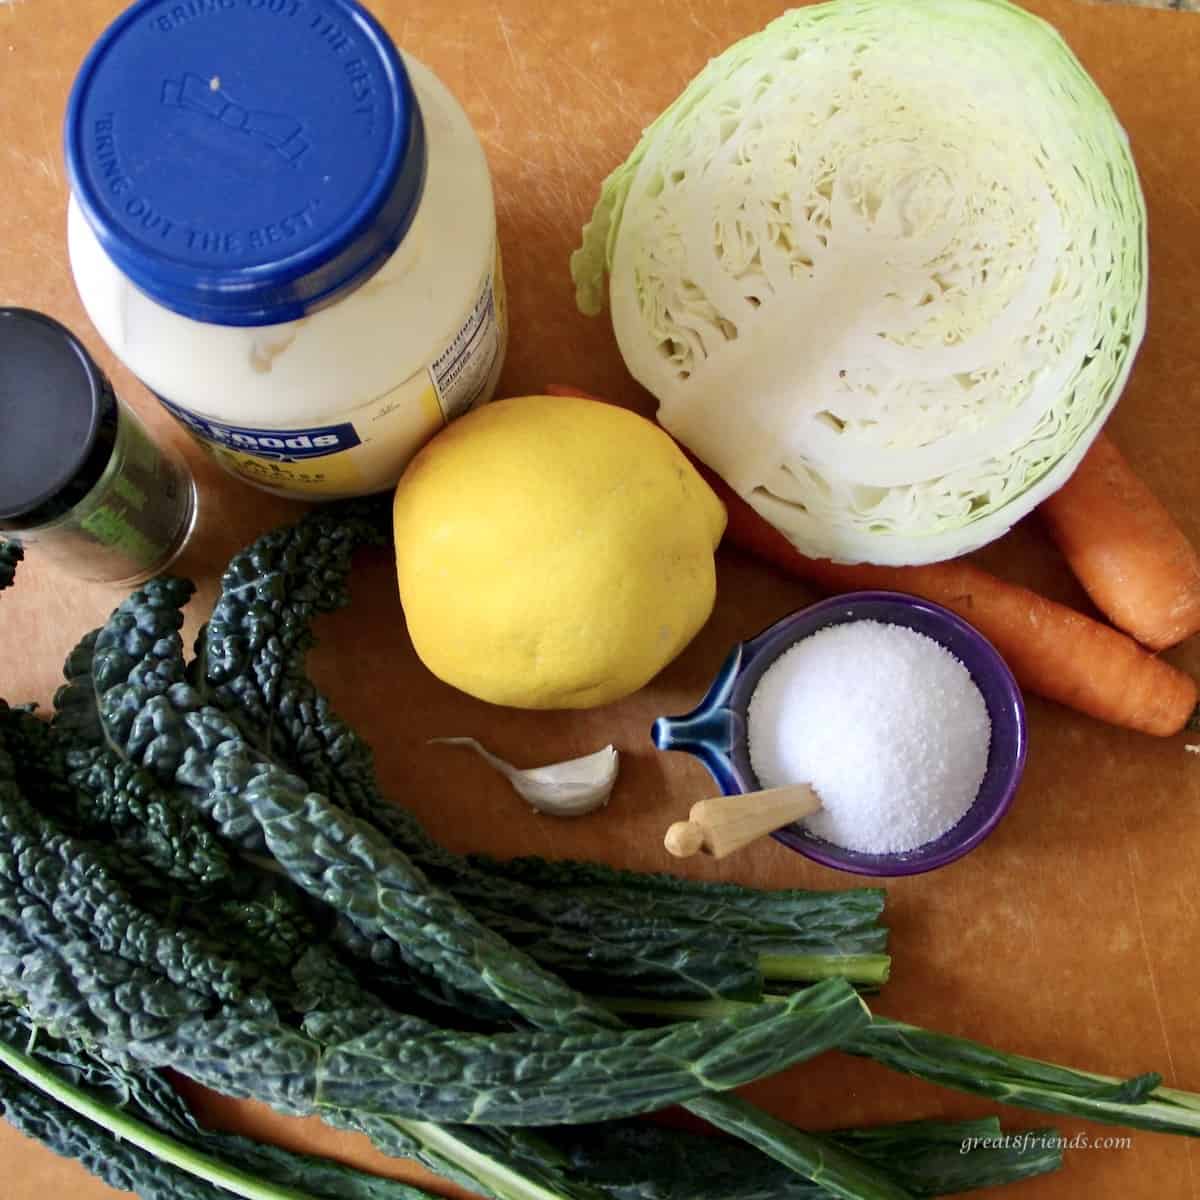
pixel 246 161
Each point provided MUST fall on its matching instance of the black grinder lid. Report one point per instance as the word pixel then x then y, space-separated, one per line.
pixel 54 401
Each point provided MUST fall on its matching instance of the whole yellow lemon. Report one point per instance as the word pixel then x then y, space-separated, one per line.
pixel 554 552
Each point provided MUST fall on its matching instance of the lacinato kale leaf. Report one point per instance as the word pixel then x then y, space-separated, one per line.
pixel 155 718
pixel 790 913
pixel 564 1078
pixel 133 1117
pixel 1139 1102
pixel 696 940
pixel 134 1132
pixel 80 957
pixel 111 1158
pixel 109 799
pixel 298 956
pixel 929 1158
pixel 10 554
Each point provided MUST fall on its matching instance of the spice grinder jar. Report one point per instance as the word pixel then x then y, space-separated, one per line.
pixel 81 481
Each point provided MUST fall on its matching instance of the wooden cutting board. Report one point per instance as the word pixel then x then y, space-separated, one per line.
pixel 1071 935
pixel 1176 5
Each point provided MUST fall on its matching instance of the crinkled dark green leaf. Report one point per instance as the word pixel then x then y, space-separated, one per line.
pixel 571 1078
pixel 336 763
pixel 84 960
pixel 10 554
pixel 145 1101
pixel 251 664
pixel 642 1161
pixel 1139 1102
pixel 804 919
pixel 111 800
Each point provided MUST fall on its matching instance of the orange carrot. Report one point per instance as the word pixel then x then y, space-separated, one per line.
pixel 1133 560
pixel 1051 649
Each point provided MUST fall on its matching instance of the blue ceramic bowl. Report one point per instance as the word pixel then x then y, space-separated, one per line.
pixel 715 731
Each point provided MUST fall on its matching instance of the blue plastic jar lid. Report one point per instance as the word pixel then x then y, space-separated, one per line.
pixel 245 162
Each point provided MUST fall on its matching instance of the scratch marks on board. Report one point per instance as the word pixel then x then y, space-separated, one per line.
pixel 1130 860
pixel 36 164
pixel 694 17
pixel 611 89
pixel 535 131
pixel 506 34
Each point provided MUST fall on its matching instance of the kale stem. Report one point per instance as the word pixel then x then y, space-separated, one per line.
pixel 676 1010
pixel 1190 1100
pixel 839 1172
pixel 489 1172
pixel 682 1010
pixel 791 968
pixel 1139 1103
pixel 806 968
pixel 165 1148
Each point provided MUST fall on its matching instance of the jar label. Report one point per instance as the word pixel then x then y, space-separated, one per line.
pixel 369 452
pixel 284 445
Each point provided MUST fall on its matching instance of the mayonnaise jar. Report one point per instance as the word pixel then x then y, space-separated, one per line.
pixel 287 232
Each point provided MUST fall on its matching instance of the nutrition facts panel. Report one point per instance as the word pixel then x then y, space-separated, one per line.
pixel 461 372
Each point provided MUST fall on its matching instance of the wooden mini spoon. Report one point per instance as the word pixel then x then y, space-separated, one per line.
pixel 727 823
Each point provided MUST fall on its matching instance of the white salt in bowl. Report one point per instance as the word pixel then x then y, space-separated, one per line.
pixel 716 730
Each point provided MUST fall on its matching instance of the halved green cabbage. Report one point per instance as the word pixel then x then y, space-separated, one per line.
pixel 884 266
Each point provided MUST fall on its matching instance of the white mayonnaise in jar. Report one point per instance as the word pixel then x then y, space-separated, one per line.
pixel 287 232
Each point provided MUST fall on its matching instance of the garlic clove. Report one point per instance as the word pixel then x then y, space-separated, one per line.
pixel 563 789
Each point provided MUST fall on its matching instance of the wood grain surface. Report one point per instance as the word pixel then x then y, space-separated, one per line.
pixel 1071 934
